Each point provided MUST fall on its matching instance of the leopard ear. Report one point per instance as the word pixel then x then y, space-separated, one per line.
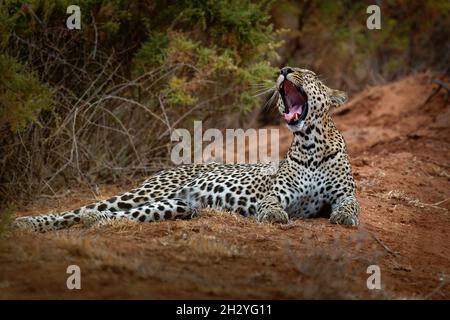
pixel 337 97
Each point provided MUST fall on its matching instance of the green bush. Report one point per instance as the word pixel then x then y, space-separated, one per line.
pixel 22 95
pixel 217 42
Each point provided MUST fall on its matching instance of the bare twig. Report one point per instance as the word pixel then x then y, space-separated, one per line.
pixel 94 51
pixel 441 84
pixel 394 253
pixel 442 283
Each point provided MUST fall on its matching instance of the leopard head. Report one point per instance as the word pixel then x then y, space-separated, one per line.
pixel 303 99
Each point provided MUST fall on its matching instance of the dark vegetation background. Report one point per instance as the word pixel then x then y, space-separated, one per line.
pixel 97 105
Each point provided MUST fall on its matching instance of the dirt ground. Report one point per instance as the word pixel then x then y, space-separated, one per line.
pixel 400 151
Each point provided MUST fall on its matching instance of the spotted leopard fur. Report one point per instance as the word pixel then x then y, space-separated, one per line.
pixel 314 180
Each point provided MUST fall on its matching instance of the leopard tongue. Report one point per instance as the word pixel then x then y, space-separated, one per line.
pixel 294 113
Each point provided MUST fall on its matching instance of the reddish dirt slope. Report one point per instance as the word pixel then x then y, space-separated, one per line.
pixel 400 152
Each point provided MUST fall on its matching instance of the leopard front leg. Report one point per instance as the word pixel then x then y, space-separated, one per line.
pixel 270 209
pixel 346 212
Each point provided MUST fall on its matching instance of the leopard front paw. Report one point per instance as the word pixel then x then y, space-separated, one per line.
pixel 273 215
pixel 344 217
pixel 347 212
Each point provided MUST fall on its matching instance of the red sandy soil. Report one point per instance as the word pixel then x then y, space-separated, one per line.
pixel 400 151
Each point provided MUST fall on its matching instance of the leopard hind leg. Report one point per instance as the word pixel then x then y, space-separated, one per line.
pixel 50 222
pixel 158 210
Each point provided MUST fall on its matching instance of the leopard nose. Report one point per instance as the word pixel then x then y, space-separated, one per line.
pixel 285 71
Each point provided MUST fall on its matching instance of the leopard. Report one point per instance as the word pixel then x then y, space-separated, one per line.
pixel 313 180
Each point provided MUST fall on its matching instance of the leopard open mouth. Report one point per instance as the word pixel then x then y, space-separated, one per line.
pixel 295 102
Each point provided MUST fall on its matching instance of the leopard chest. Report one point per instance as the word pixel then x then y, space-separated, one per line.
pixel 310 195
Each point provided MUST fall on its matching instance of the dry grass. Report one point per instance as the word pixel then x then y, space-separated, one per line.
pixel 118 227
pixel 86 144
pixel 99 255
